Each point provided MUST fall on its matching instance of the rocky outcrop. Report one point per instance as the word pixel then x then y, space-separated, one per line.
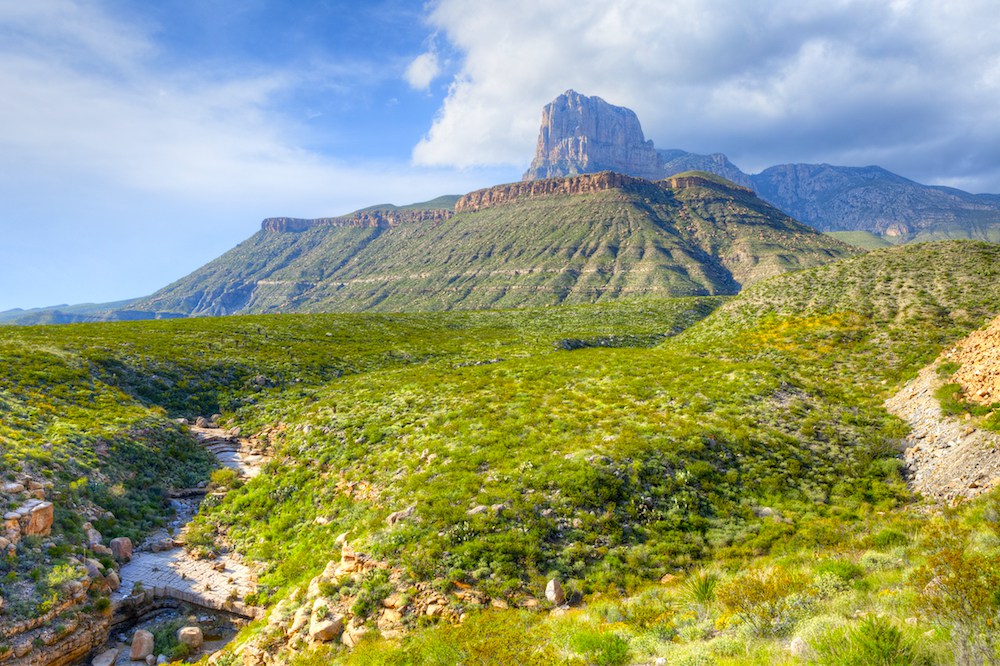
pixel 978 358
pixel 581 134
pixel 514 192
pixel 945 459
pixel 359 220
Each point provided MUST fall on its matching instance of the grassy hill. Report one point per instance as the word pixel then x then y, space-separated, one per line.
pixel 738 445
pixel 592 245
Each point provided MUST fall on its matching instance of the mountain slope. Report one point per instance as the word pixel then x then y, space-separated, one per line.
pixel 833 198
pixel 575 240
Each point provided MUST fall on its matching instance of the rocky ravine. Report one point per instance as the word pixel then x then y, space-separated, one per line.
pixel 949 459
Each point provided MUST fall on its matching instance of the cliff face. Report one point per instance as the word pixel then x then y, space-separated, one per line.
pixel 512 192
pixel 581 134
pixel 359 220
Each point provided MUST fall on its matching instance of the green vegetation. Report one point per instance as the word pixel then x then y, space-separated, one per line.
pixel 866 240
pixel 736 449
pixel 648 240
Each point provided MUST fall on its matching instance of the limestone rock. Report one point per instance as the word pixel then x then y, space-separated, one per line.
pixel 581 134
pixel 399 516
pixel 92 535
pixel 142 645
pixel 106 658
pixel 799 648
pixel 554 592
pixel 40 519
pixel 353 634
pixel 121 549
pixel 190 636
pixel 12 488
pixel 326 629
pixel 299 620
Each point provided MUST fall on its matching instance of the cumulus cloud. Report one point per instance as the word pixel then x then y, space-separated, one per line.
pixel 912 85
pixel 423 70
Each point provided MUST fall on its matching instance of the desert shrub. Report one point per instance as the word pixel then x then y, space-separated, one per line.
pixel 601 648
pixel 764 599
pixel 873 642
pixel 873 560
pixel 961 591
pixel 888 538
pixel 841 568
pixel 374 589
pixel 225 477
pixel 827 585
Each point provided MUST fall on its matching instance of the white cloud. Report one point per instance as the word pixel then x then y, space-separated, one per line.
pixel 764 82
pixel 423 70
pixel 119 174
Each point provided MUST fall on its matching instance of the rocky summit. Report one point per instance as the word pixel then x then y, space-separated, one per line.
pixel 581 134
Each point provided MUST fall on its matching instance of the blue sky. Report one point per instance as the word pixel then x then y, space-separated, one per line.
pixel 139 140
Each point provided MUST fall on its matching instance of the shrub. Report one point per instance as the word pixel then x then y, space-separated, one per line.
pixel 841 568
pixel 225 477
pixel 875 641
pixel 889 538
pixel 961 591
pixel 873 560
pixel 828 585
pixel 602 648
pixel 764 599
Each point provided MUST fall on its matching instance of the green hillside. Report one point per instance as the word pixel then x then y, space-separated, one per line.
pixel 738 445
pixel 641 239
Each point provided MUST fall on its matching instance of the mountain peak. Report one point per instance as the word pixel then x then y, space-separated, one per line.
pixel 581 134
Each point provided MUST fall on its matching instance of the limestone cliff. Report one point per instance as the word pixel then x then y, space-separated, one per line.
pixel 581 134
pixel 358 220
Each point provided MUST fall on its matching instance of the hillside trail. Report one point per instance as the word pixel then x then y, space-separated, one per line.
pixel 948 459
pixel 163 565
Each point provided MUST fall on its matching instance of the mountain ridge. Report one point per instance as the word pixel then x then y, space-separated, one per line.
pixel 580 134
pixel 579 239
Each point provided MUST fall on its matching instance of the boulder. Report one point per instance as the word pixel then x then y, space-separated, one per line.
pixel 101 549
pixel 113 581
pixel 326 629
pixel 347 554
pixel 399 516
pixel 352 635
pixel 106 658
pixel 554 592
pixel 799 648
pixel 40 520
pixel 190 636
pixel 299 620
pixel 13 488
pixel 121 549
pixel 142 645
pixel 92 535
pixel 201 422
